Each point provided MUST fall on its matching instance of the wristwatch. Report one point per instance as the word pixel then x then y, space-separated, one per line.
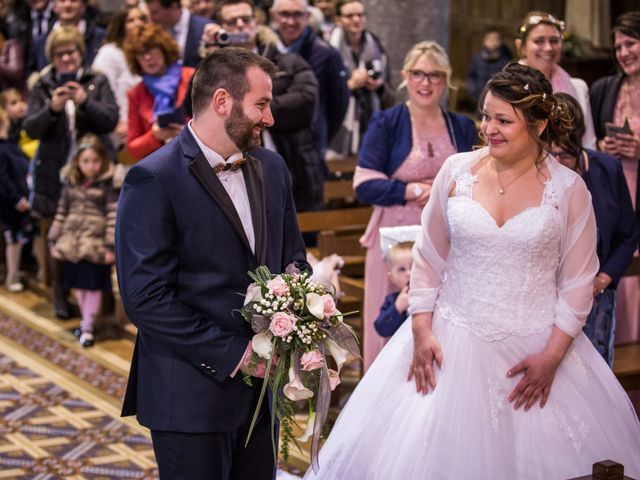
pixel 417 190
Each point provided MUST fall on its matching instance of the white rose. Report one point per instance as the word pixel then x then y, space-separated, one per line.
pixel 315 304
pixel 261 344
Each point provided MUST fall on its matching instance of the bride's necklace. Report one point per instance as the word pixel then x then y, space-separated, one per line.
pixel 503 187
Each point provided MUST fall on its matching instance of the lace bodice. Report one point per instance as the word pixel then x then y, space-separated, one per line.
pixel 501 281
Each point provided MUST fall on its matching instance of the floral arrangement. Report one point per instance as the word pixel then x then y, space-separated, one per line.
pixel 297 328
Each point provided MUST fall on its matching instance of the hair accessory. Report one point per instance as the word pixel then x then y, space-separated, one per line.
pixel 534 20
pixel 526 87
pixel 544 97
pixel 84 146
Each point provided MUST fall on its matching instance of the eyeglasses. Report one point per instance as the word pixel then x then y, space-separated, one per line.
pixel 294 15
pixel 232 22
pixel 62 53
pixel 435 78
pixel 351 16
pixel 562 155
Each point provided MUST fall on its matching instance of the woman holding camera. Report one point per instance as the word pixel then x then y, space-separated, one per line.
pixel 155 104
pixel 369 76
pixel 615 102
pixel 401 153
pixel 66 103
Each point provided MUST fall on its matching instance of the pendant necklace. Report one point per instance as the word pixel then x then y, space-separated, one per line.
pixel 503 188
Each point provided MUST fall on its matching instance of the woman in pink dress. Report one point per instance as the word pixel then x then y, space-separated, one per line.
pixel 616 99
pixel 402 151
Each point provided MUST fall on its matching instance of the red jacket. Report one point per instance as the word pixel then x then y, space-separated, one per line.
pixel 140 139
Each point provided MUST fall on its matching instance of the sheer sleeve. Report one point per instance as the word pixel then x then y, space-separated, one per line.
pixel 432 247
pixel 578 259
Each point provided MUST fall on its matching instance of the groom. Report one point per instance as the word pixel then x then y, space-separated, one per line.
pixel 193 218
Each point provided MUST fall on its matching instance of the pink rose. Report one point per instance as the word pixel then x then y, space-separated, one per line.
pixel 311 360
pixel 334 379
pixel 282 324
pixel 329 305
pixel 278 286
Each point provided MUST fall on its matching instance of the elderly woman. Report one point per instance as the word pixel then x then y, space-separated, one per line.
pixel 66 102
pixel 616 100
pixel 111 61
pixel 155 104
pixel 615 219
pixel 401 154
pixel 539 44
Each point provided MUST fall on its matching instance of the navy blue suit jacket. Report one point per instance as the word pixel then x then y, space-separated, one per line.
pixel 617 224
pixel 191 57
pixel 182 258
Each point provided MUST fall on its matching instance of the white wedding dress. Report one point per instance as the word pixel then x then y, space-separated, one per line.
pixel 498 292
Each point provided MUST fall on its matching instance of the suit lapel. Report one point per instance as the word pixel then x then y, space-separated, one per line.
pixel 252 172
pixel 209 180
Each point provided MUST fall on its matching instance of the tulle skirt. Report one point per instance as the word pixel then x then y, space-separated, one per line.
pixel 466 428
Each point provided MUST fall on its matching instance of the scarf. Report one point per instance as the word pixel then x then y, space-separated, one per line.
pixel 164 88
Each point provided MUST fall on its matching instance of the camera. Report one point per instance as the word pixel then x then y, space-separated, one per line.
pixel 223 38
pixel 374 69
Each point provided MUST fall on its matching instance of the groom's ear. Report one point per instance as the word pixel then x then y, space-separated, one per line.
pixel 222 102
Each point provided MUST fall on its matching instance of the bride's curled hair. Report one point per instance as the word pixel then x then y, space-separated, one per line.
pixel 528 90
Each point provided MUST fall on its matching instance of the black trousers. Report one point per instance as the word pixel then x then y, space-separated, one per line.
pixel 217 456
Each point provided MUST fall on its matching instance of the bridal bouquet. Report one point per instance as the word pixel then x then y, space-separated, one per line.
pixel 297 329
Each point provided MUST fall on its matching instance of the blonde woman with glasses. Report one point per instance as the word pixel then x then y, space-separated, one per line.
pixel 401 153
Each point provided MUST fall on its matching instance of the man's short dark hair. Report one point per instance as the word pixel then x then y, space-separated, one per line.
pixel 165 3
pixel 226 68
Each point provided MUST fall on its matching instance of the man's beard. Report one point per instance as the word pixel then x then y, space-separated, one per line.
pixel 240 129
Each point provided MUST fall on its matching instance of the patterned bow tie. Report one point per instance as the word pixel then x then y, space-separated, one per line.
pixel 233 166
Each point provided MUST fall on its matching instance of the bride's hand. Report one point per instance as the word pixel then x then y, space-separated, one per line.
pixel 426 348
pixel 539 371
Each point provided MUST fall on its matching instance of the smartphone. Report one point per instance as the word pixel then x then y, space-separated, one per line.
pixel 175 116
pixel 612 129
pixel 67 77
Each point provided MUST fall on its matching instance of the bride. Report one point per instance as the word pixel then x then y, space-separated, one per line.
pixel 503 383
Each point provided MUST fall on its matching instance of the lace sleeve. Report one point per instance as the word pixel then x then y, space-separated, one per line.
pixel 578 259
pixel 432 247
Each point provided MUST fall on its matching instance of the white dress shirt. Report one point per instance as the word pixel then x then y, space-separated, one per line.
pixel 181 29
pixel 233 183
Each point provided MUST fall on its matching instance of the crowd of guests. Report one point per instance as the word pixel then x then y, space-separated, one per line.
pixel 85 94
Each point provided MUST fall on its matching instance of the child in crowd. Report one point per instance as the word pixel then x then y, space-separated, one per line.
pixel 13 102
pixel 14 205
pixel 82 233
pixel 394 309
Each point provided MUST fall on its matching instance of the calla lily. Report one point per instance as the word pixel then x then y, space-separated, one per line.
pixel 309 430
pixel 339 354
pixel 315 304
pixel 261 344
pixel 254 293
pixel 295 390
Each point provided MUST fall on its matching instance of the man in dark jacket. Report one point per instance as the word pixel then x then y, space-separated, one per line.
pixel 291 20
pixel 70 13
pixel 295 92
pixel 185 27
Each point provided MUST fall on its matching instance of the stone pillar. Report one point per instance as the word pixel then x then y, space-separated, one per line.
pixel 402 23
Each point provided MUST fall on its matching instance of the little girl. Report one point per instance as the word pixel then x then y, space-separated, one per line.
pixel 14 207
pixel 13 102
pixel 82 231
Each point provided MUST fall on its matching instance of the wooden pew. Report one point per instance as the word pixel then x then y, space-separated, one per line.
pixel 626 356
pixel 606 470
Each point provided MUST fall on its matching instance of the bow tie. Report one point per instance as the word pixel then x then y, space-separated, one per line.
pixel 233 166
